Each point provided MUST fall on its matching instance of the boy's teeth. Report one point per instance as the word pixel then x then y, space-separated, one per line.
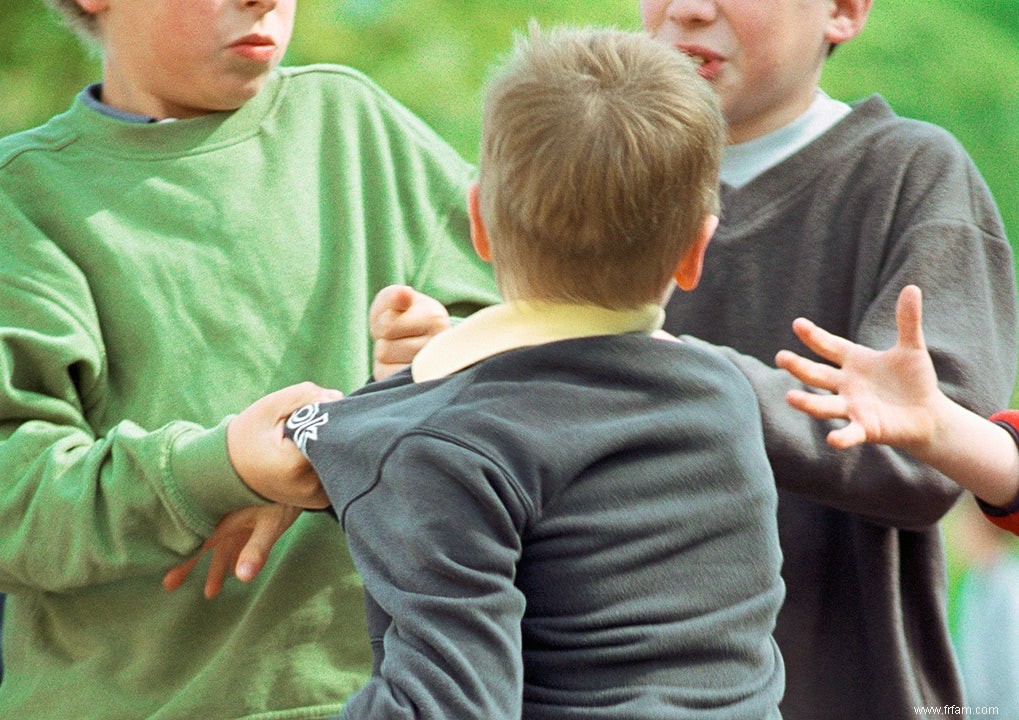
pixel 697 59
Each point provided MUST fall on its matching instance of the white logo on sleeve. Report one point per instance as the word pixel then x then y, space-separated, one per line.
pixel 304 423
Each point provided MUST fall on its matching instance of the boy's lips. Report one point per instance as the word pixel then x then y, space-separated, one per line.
pixel 709 63
pixel 260 48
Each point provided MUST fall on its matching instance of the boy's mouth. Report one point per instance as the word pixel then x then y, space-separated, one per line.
pixel 258 48
pixel 708 62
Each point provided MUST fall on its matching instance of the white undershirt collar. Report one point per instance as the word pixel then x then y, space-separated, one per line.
pixel 743 162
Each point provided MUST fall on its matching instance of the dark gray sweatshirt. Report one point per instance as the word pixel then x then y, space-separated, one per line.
pixel 833 234
pixel 582 529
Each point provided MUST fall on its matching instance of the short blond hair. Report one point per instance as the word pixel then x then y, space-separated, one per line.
pixel 84 24
pixel 598 166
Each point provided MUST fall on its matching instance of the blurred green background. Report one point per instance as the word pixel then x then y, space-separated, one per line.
pixel 952 62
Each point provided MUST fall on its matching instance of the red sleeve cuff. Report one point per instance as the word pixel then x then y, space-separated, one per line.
pixel 1007 518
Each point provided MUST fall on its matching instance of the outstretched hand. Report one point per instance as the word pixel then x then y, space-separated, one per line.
pixel 402 320
pixel 241 542
pixel 885 395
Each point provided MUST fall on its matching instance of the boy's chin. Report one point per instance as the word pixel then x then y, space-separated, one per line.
pixel 237 96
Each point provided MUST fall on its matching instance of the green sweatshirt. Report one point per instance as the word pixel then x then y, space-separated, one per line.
pixel 154 279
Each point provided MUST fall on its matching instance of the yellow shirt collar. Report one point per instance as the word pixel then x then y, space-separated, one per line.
pixel 519 324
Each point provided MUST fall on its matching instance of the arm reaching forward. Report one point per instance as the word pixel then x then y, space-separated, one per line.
pixel 892 397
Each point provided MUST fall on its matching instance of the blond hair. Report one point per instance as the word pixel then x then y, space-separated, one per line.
pixel 599 165
pixel 84 24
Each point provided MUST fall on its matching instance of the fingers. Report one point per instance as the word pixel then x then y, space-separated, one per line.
pixel 405 313
pixel 402 321
pixel 176 575
pixel 807 371
pixel 241 542
pixel 822 407
pixel 829 407
pixel 831 347
pixel 284 402
pixel 255 552
pixel 909 318
pixel 222 553
pixel 218 569
pixel 846 437
pixel 412 325
pixel 393 355
pixel 248 566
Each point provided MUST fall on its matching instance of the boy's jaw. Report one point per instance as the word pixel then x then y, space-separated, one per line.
pixel 244 78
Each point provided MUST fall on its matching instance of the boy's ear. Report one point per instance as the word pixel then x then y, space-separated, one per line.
pixel 479 235
pixel 688 272
pixel 92 6
pixel 847 19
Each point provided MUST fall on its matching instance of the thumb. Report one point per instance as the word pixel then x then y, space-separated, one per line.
pixel 909 318
pixel 394 298
pixel 291 398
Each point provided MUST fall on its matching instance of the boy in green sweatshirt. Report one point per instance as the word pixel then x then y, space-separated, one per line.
pixel 197 231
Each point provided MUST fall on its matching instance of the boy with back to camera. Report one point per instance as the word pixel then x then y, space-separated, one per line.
pixel 556 513
pixel 193 233
pixel 827 211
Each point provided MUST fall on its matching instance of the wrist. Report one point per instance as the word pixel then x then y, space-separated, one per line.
pixel 245 467
pixel 936 435
pixel 978 454
pixel 1005 499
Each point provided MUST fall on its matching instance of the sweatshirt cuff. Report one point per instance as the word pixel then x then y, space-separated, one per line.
pixel 208 484
pixel 1009 420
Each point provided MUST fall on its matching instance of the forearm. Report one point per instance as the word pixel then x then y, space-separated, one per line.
pixel 87 496
pixel 974 452
pixel 79 510
pixel 886 485
pixel 975 368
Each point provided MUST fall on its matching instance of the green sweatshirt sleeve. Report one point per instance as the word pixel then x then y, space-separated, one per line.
pixel 429 183
pixel 117 501
pixel 472 287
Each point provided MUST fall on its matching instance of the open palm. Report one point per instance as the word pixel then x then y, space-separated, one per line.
pixel 885 395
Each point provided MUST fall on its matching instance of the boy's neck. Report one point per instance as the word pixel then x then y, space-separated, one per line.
pixel 93 98
pixel 743 162
pixel 525 323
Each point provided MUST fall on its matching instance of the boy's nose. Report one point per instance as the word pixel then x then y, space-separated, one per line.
pixel 263 4
pixel 692 11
